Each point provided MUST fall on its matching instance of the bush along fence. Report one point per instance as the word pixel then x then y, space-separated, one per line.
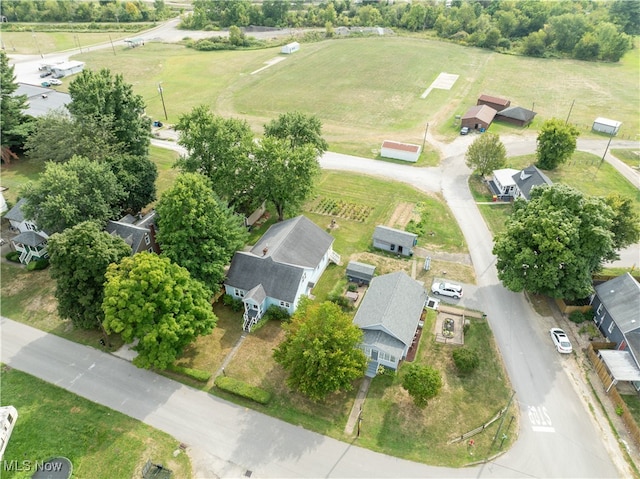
pixel 613 394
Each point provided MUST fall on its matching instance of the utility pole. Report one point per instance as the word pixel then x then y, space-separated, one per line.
pixel 162 98
pixel 570 109
pixel 425 136
pixel 112 47
pixel 37 44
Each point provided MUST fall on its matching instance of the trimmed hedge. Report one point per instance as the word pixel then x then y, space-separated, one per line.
pixel 38 264
pixel 197 374
pixel 242 389
pixel 13 256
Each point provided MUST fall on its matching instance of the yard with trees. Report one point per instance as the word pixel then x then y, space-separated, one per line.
pixel 79 258
pixel 155 301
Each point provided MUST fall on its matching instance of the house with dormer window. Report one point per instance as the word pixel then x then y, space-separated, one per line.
pixel 509 184
pixel 284 265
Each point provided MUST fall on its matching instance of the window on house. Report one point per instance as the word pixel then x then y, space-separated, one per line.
pixel 30 226
pixel 284 304
pixel 147 240
pixel 599 308
pixel 392 247
pixel 255 306
pixel 238 292
pixel 150 250
pixel 611 327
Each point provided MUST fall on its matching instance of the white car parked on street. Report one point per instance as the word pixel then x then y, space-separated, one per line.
pixel 560 340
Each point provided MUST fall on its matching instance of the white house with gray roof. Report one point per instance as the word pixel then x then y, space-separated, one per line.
pixel 527 179
pixel 30 241
pixel 388 316
pixel 393 240
pixel 285 264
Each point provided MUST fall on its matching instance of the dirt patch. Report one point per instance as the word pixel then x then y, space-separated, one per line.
pixel 383 264
pixel 401 216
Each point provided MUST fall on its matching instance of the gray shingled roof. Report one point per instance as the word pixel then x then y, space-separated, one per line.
pixel 384 342
pixel 297 241
pixel 394 303
pixel 29 238
pixel 258 294
pixel 360 270
pixel 132 231
pixel 37 105
pixel 280 281
pixel 16 213
pixel 517 113
pixel 621 297
pixel 394 236
pixel 528 178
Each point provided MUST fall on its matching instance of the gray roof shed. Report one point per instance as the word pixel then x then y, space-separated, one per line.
pixel 394 236
pixel 360 270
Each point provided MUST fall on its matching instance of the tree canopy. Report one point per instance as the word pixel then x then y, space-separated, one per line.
pixel 556 143
pixel 103 97
pixel 422 383
pixel 486 153
pixel 320 350
pixel 626 222
pixel 73 192
pixel 12 116
pixel 197 230
pixel 298 129
pixel 555 242
pixel 137 176
pixel 92 138
pixel 79 258
pixel 287 175
pixel 220 148
pixel 147 297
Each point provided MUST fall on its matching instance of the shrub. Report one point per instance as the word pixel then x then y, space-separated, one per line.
pixel 197 374
pixel 13 256
pixel 619 410
pixel 277 313
pixel 345 303
pixel 579 317
pixel 466 359
pixel 242 389
pixel 353 287
pixel 234 303
pixel 38 264
pixel 590 329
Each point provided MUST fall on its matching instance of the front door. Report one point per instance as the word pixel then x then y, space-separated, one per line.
pixel 399 249
pixel 374 354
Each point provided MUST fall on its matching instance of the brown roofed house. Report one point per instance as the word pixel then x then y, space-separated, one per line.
pixel 494 102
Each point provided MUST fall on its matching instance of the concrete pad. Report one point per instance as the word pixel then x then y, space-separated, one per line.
pixel 444 81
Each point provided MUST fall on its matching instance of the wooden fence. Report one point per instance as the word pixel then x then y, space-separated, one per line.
pixel 614 396
pixel 479 429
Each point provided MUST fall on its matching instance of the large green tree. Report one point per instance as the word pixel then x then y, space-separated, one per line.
pixel 556 143
pixel 92 138
pixel 320 350
pixel 298 129
pixel 79 258
pixel 626 222
pixel 12 117
pixel 287 175
pixel 149 298
pixel 220 148
pixel 555 242
pixel 197 230
pixel 486 153
pixel 102 96
pixel 422 383
pixel 72 192
pixel 137 175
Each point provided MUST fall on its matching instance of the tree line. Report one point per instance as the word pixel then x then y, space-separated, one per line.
pixel 84 11
pixel 585 30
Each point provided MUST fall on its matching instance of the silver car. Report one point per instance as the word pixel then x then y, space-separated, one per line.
pixel 447 289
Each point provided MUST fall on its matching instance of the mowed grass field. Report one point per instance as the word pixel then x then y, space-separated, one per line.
pixel 366 90
pixel 100 442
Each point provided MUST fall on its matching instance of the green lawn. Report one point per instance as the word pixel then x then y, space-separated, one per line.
pixel 354 87
pixel 99 442
pixel 630 157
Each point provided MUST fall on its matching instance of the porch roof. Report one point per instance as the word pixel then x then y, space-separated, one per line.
pixel 620 364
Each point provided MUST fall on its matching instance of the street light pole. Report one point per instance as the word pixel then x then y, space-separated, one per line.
pixel 425 136
pixel 162 98
pixel 37 44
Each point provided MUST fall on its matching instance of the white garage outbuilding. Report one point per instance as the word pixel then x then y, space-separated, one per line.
pixel 400 151
pixel 290 48
pixel 67 68
pixel 605 125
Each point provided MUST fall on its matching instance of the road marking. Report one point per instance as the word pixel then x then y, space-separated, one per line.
pixel 540 419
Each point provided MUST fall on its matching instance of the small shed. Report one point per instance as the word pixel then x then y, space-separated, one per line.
pixel 494 102
pixel 360 273
pixel 516 115
pixel 290 48
pixel 605 125
pixel 400 151
pixel 393 240
pixel 67 68
pixel 478 117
